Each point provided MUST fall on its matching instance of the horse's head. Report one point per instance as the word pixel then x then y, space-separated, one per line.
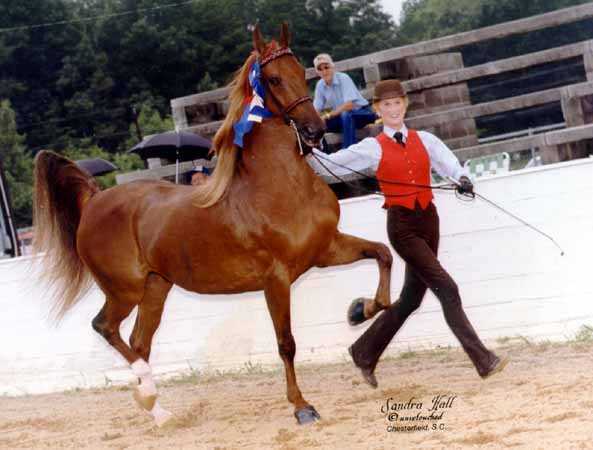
pixel 287 94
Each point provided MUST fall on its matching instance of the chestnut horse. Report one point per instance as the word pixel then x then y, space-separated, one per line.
pixel 263 219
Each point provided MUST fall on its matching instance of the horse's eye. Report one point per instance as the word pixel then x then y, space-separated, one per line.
pixel 274 81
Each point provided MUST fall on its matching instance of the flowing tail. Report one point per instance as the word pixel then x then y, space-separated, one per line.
pixel 61 191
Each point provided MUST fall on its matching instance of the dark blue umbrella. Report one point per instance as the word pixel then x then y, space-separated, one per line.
pixel 96 166
pixel 177 145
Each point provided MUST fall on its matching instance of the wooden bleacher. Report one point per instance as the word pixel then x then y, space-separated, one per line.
pixel 440 99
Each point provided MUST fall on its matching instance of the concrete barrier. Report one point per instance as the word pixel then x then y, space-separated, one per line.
pixel 512 281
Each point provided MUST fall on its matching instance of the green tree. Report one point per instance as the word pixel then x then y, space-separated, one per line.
pixel 76 81
pixel 150 122
pixel 18 165
pixel 87 91
pixel 429 19
pixel 30 62
pixel 370 29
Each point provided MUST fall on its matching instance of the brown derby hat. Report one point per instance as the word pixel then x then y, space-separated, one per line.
pixel 388 89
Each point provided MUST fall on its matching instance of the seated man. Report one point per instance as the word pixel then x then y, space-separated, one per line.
pixel 339 102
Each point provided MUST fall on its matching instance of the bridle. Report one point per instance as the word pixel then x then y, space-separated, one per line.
pixel 305 98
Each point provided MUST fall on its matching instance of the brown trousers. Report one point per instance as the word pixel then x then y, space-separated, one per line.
pixel 414 234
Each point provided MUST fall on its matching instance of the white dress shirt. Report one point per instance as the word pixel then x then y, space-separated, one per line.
pixel 365 156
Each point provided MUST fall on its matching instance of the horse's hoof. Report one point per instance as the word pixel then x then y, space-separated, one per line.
pixel 307 415
pixel 163 418
pixel 367 374
pixel 369 377
pixel 356 312
pixel 496 367
pixel 146 402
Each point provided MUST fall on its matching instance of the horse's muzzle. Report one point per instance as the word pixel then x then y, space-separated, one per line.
pixel 312 134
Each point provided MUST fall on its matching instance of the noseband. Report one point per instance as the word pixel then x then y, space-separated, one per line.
pixel 306 98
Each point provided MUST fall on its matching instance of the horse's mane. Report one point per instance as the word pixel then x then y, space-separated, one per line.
pixel 226 152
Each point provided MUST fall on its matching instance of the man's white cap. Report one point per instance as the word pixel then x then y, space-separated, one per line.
pixel 323 58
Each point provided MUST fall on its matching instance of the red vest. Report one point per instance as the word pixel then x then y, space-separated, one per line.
pixel 409 164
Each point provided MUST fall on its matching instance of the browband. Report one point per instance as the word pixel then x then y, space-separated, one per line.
pixel 275 54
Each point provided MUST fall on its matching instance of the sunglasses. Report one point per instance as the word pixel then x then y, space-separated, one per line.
pixel 323 67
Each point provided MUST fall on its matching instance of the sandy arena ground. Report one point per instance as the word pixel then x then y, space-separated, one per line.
pixel 543 400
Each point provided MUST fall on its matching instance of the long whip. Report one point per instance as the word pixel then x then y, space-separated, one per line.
pixel 527 224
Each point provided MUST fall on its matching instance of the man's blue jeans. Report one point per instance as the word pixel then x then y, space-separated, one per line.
pixel 349 121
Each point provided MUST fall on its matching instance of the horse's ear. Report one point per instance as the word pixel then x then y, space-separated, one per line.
pixel 284 35
pixel 258 41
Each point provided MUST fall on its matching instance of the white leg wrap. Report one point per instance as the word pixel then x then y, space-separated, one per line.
pixel 142 370
pixel 147 388
pixel 160 415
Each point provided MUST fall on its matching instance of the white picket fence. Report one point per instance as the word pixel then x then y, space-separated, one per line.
pixel 512 281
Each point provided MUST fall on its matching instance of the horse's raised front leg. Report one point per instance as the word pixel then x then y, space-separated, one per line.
pixel 277 292
pixel 346 249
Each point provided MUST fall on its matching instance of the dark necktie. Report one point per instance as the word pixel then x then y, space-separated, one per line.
pixel 399 138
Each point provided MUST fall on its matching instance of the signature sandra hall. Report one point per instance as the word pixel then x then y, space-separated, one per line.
pixel 438 403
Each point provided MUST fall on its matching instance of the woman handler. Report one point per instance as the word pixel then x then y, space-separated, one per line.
pixel 399 154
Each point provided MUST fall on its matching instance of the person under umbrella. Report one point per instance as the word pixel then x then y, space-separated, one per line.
pixel 198 175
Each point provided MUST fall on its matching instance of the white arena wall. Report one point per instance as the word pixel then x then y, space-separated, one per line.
pixel 513 282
